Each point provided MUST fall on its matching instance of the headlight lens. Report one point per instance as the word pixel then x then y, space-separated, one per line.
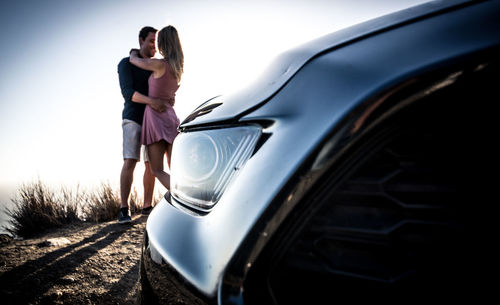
pixel 205 161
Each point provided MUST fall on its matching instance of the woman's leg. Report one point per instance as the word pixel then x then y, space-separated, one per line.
pixel 148 181
pixel 156 152
pixel 169 153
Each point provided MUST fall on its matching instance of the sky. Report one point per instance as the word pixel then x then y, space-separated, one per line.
pixel 60 117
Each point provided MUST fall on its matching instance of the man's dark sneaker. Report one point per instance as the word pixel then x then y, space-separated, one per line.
pixel 146 211
pixel 124 216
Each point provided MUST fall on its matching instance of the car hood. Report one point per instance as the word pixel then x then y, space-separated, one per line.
pixel 228 109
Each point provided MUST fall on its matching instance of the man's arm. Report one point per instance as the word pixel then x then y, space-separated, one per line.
pixel 128 91
pixel 126 80
pixel 155 103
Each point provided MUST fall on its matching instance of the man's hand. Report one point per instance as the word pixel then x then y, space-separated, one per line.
pixel 158 105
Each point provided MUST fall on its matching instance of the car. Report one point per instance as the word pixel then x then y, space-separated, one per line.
pixel 353 167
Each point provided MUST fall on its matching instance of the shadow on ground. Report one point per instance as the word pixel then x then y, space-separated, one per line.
pixel 99 265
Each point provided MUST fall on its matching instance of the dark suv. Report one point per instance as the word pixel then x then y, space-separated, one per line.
pixel 353 168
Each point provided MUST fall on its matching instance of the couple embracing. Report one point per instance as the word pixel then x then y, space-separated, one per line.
pixel 148 86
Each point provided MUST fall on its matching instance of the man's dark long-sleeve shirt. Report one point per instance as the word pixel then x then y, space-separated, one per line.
pixel 132 79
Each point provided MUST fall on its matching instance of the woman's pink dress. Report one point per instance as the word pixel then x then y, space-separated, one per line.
pixel 156 125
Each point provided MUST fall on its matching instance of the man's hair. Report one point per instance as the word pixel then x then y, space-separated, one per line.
pixel 145 31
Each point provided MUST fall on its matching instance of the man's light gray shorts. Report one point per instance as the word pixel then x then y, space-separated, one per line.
pixel 132 141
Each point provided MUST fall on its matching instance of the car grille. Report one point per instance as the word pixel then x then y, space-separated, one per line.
pixel 401 214
pixel 396 222
pixel 393 222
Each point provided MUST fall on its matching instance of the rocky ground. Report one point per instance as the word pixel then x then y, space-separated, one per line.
pixel 82 263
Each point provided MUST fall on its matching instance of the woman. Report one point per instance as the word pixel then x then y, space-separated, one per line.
pixel 160 129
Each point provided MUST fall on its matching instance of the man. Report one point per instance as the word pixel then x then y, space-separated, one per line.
pixel 134 87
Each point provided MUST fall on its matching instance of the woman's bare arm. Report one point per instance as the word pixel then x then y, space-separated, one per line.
pixel 150 64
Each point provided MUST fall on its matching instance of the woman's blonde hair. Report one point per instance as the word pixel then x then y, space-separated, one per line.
pixel 169 46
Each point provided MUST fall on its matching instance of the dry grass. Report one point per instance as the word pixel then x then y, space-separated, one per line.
pixel 37 207
pixel 101 205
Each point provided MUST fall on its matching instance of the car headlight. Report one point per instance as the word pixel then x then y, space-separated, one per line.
pixel 205 161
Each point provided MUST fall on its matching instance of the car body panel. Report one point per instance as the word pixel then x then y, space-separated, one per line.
pixel 229 108
pixel 344 84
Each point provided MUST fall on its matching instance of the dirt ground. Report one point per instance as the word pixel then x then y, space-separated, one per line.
pixel 82 263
